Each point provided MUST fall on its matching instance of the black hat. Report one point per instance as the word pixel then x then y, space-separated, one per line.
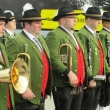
pixel 106 16
pixel 93 12
pixel 2 15
pixel 30 15
pixel 64 11
pixel 9 15
pixel 106 8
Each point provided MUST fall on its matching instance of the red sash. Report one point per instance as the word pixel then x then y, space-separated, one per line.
pixel 45 72
pixel 81 67
pixel 101 59
pixel 8 94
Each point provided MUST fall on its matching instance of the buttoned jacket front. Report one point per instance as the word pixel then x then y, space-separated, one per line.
pixel 16 46
pixel 54 40
pixel 84 34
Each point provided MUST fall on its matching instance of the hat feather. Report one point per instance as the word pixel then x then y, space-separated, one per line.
pixel 6 11
pixel 85 7
pixel 27 6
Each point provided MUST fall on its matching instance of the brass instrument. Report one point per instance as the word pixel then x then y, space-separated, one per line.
pixel 18 74
pixel 66 59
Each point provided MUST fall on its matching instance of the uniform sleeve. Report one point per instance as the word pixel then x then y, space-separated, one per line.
pixel 53 42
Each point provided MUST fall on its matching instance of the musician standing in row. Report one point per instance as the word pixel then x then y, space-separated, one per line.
pixel 6 91
pixel 67 79
pixel 40 83
pixel 104 35
pixel 95 55
pixel 10 25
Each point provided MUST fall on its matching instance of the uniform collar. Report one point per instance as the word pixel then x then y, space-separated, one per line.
pixel 107 29
pixel 9 32
pixel 30 36
pixel 66 30
pixel 93 32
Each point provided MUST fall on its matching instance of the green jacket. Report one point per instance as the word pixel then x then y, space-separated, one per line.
pixel 5 38
pixel 83 34
pixel 4 86
pixel 54 40
pixel 16 46
pixel 102 35
pixel 8 37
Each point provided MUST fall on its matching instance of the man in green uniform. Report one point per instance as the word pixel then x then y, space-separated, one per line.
pixel 104 35
pixel 6 91
pixel 40 83
pixel 68 66
pixel 95 57
pixel 10 26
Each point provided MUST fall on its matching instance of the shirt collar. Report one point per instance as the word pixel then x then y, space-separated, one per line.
pixel 66 30
pixel 30 36
pixel 107 29
pixel 93 32
pixel 9 32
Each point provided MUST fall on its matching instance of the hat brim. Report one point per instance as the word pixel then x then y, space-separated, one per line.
pixel 31 19
pixel 56 18
pixel 93 15
pixel 107 19
pixel 10 19
pixel 3 18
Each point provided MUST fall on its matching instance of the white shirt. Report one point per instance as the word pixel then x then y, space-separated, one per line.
pixel 93 32
pixel 10 33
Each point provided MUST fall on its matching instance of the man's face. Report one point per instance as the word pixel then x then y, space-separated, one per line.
pixel 70 22
pixel 2 27
pixel 11 25
pixel 35 27
pixel 95 23
pixel 106 24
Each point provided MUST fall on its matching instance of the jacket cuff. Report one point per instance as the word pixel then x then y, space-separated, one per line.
pixel 65 73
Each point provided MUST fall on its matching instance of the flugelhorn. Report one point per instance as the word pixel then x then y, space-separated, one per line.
pixel 19 73
pixel 66 58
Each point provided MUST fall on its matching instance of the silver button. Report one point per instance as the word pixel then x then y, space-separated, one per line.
pixel 5 97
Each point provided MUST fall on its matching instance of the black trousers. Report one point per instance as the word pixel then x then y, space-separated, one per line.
pixel 67 98
pixel 29 106
pixel 91 98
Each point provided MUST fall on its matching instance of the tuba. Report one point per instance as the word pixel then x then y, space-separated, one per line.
pixel 18 74
pixel 66 59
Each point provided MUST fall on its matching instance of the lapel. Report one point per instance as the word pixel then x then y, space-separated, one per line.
pixel 105 30
pixel 41 39
pixel 3 51
pixel 107 34
pixel 34 46
pixel 7 34
pixel 79 42
pixel 99 39
pixel 92 37
pixel 68 37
